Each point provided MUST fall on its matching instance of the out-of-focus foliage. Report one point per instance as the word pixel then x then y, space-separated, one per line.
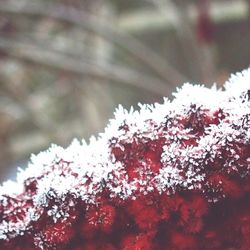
pixel 65 65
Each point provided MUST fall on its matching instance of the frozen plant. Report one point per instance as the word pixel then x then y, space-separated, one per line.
pixel 170 176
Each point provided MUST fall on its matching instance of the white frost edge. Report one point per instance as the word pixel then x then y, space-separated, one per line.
pixel 197 94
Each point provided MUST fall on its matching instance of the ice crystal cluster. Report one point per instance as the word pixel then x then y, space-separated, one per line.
pixel 170 176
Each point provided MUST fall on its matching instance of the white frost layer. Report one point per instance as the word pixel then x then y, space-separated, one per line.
pixel 83 157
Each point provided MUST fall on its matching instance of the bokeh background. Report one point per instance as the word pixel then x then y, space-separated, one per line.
pixel 65 65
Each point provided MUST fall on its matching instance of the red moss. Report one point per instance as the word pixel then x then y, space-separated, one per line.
pixel 183 241
pixel 98 218
pixel 174 180
pixel 58 233
pixel 145 213
pixel 137 242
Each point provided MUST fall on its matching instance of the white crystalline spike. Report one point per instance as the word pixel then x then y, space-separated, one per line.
pixel 238 82
pixel 11 187
pixel 197 94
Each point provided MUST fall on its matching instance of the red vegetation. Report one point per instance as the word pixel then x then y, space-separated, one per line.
pixel 180 182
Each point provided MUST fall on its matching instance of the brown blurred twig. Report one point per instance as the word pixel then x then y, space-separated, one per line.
pixel 52 59
pixel 200 57
pixel 101 27
pixel 185 33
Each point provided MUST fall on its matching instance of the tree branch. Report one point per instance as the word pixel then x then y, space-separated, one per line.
pixel 54 60
pixel 102 28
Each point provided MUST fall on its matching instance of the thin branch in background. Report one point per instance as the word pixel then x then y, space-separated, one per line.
pixel 191 49
pixel 52 59
pixel 19 103
pixel 91 22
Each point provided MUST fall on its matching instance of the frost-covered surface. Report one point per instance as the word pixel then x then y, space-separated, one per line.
pixel 187 144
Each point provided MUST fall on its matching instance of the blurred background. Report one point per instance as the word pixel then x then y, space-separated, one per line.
pixel 66 64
